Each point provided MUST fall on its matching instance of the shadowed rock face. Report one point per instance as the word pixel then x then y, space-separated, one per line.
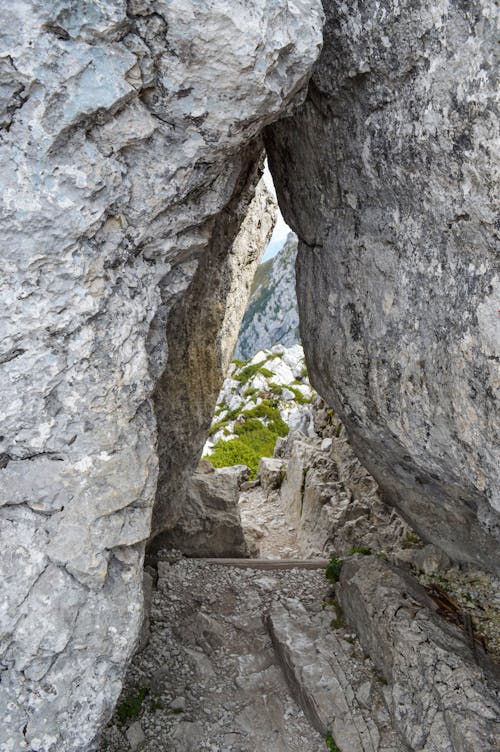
pixel 130 148
pixel 386 175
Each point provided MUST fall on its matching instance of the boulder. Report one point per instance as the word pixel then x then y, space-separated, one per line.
pixel 271 473
pixel 442 690
pixel 339 693
pixel 210 523
pixel 131 153
pixel 387 174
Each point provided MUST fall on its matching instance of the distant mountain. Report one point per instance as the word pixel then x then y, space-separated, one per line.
pixel 272 317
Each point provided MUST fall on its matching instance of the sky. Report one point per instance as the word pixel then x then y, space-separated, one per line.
pixel 281 229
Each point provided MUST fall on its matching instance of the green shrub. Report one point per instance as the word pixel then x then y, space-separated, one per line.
pixel 330 743
pixel 275 388
pixel 360 550
pixel 239 363
pixel 299 397
pixel 250 424
pixel 268 409
pixel 248 372
pixel 217 426
pixel 253 441
pixel 130 707
pixel 333 569
pixel 250 391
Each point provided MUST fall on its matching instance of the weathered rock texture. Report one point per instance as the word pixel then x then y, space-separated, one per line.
pixel 439 696
pixel 339 692
pixel 209 523
pixel 387 176
pixel 201 333
pixel 331 500
pixel 130 148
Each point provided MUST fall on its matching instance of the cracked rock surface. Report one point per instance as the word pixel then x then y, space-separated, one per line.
pixel 129 156
pixel 209 675
pixel 388 176
pixel 442 692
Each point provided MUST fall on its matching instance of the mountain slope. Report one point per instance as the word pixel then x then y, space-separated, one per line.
pixel 272 316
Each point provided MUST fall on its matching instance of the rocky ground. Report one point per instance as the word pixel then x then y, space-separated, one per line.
pixel 285 660
pixel 266 528
pixel 209 679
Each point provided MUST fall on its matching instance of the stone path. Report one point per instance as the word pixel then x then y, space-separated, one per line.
pixel 210 679
pixel 265 526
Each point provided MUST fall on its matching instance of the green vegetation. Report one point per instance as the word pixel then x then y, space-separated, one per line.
pixel 217 426
pixel 330 743
pixel 275 388
pixel 250 391
pixel 239 363
pixel 333 569
pixel 254 438
pixel 412 538
pixel 248 372
pixel 360 550
pixel 299 397
pixel 250 425
pixel 130 707
pixel 268 409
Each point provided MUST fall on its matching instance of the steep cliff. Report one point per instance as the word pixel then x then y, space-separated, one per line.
pixel 130 151
pixel 272 317
pixel 387 176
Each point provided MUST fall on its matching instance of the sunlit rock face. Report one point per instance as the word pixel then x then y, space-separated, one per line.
pixel 387 176
pixel 129 141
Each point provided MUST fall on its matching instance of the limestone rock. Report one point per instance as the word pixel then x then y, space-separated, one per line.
pixel 135 736
pixel 337 693
pixel 130 154
pixel 333 502
pixel 387 175
pixel 209 523
pixel 442 692
pixel 271 473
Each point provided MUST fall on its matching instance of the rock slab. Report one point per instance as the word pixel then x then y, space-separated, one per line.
pixel 387 174
pixel 442 693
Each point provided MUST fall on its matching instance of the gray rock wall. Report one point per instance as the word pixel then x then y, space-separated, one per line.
pixel 126 131
pixel 387 176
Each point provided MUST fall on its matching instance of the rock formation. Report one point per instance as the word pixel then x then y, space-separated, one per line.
pixel 438 694
pixel 386 174
pixel 272 315
pixel 209 523
pixel 130 150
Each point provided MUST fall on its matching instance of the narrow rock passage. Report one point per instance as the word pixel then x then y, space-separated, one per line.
pixel 209 678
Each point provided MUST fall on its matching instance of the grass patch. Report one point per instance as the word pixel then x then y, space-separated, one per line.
pixel 268 409
pixel 253 440
pixel 360 550
pixel 330 743
pixel 248 372
pixel 299 397
pixel 130 707
pixel 412 538
pixel 250 391
pixel 333 570
pixel 275 388
pixel 250 425
pixel 217 426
